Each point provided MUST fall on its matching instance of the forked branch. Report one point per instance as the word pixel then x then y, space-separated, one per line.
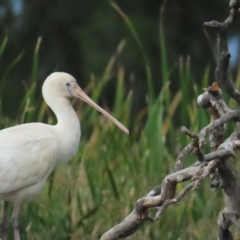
pixel 214 164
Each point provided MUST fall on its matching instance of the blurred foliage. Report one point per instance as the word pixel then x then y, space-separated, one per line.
pixel 79 37
pixel 133 59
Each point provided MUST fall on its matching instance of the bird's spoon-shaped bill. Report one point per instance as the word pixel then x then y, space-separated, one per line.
pixel 79 93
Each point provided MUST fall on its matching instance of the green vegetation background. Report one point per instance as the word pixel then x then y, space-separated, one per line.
pixel 144 62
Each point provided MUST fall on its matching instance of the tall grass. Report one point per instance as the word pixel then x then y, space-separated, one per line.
pixel 99 186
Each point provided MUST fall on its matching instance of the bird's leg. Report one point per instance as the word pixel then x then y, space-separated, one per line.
pixel 15 222
pixel 4 224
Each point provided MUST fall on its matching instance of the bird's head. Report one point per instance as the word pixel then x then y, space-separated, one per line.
pixel 60 84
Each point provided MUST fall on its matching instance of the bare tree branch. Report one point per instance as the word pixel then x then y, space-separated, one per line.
pixel 224 56
pixel 214 164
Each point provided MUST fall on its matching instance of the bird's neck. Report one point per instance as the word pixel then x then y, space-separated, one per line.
pixel 67 127
pixel 66 115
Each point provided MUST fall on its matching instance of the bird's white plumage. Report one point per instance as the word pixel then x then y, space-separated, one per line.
pixel 28 154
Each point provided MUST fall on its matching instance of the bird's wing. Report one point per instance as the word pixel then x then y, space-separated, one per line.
pixel 28 154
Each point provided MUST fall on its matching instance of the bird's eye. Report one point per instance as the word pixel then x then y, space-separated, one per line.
pixel 68 84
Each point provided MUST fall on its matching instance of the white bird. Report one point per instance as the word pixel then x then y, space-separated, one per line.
pixel 30 152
